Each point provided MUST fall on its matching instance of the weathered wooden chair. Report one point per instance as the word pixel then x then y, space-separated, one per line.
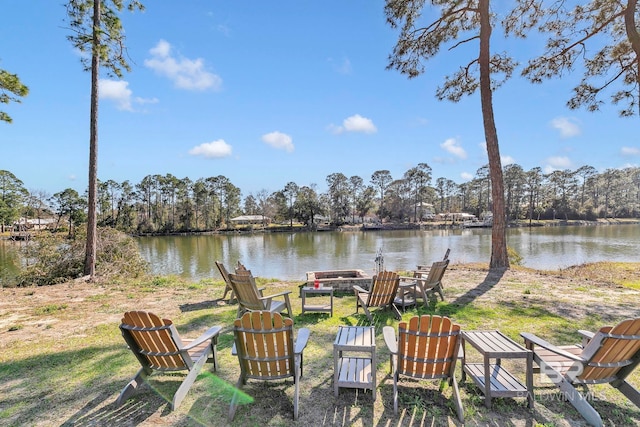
pixel 432 283
pixel 158 347
pixel 250 298
pixel 384 289
pixel 426 348
pixel 225 276
pixel 607 356
pixel 266 350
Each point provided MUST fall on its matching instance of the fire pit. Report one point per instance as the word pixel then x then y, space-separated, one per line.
pixel 339 280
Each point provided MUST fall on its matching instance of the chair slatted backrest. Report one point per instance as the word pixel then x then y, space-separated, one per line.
pixel 244 285
pixel 428 347
pixel 384 287
pixel 610 350
pixel 154 341
pixel 436 273
pixel 264 343
pixel 223 272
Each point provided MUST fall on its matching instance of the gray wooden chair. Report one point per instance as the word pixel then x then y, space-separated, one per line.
pixel 384 290
pixel 423 286
pixel 605 357
pixel 158 347
pixel 227 284
pixel 250 298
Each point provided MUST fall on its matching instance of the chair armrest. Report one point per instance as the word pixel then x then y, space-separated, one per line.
pixel 586 336
pixel 357 288
pixel 209 334
pixel 390 339
pixel 301 340
pixel 531 338
pixel 279 294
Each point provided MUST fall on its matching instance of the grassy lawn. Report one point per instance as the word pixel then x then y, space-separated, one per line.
pixel 63 360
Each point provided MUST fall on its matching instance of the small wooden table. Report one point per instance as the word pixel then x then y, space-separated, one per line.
pixel 324 308
pixel 493 379
pixel 355 371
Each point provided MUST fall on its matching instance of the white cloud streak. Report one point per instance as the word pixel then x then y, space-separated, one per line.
pixel 355 123
pixel 452 146
pixel 279 140
pixel 568 127
pixel 189 74
pixel 630 151
pixel 212 150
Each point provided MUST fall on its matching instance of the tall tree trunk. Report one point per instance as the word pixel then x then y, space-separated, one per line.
pixel 499 257
pixel 90 253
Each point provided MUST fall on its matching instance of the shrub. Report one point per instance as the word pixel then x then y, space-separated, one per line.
pixel 56 258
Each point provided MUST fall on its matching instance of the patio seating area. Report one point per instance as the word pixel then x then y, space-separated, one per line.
pixel 421 346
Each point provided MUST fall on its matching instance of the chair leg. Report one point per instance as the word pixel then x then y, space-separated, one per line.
pixel 234 400
pixel 368 313
pixel 188 382
pixel 395 392
pixel 296 393
pixel 580 403
pixel 131 387
pixel 456 399
pixel 629 391
pixel 396 312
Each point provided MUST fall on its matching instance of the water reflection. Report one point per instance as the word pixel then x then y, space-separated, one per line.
pixel 290 255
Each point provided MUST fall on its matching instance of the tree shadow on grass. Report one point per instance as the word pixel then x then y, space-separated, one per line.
pixel 493 278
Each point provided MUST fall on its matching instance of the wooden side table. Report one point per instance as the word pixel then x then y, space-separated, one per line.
pixel 324 308
pixel 355 371
pixel 493 379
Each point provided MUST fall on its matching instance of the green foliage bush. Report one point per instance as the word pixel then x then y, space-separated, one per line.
pixel 57 258
pixel 514 257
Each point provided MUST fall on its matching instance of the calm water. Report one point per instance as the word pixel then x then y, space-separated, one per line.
pixel 289 256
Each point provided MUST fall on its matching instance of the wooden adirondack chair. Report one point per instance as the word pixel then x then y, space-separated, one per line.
pixel 250 298
pixel 384 288
pixel 266 350
pixel 607 356
pixel 426 348
pixel 225 276
pixel 424 286
pixel 158 347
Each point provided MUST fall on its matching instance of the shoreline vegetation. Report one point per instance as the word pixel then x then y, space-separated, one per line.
pixel 427 225
pixel 63 360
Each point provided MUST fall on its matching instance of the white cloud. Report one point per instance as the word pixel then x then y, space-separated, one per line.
pixel 119 92
pixel 557 163
pixel 185 73
pixel 214 149
pixel 116 90
pixel 466 176
pixel 355 123
pixel 567 127
pixel 279 140
pixel 507 160
pixel 630 151
pixel 452 146
pixel 343 67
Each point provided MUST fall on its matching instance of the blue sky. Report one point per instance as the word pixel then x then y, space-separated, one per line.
pixel 268 92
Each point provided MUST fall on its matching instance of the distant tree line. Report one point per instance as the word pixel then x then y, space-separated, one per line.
pixel 167 204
